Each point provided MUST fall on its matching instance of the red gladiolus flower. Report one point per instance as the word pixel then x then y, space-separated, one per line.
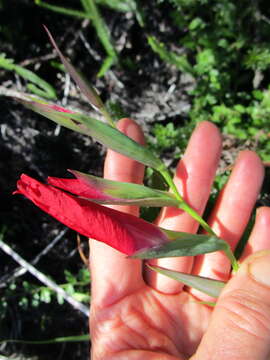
pixel 121 231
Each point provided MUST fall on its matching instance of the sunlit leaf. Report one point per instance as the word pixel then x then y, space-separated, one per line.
pixel 117 141
pixel 183 244
pixel 85 88
pixel 208 286
pixel 52 112
pixel 103 133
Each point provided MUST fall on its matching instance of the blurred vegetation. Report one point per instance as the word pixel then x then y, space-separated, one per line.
pixel 223 46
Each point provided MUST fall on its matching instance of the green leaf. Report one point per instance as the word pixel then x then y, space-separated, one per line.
pixel 102 30
pixel 117 141
pixel 63 10
pixel 107 63
pixel 75 338
pixel 37 85
pixel 208 286
pixel 196 23
pixel 180 61
pixel 85 88
pixel 183 244
pixel 103 133
pixel 125 6
pixel 48 111
pixel 81 297
pixel 45 295
pixel 122 193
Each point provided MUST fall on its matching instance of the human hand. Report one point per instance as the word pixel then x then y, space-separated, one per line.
pixel 139 314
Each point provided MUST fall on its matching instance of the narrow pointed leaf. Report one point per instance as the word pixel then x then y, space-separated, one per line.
pixel 36 84
pixel 52 112
pixel 117 141
pixel 75 338
pixel 183 244
pixel 103 133
pixel 101 27
pixel 206 285
pixel 103 191
pixel 63 10
pixel 85 88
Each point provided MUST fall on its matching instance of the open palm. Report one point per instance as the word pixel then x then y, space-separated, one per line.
pixel 138 314
pixel 148 325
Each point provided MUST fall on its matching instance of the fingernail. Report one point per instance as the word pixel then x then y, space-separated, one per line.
pixel 134 132
pixel 131 130
pixel 259 268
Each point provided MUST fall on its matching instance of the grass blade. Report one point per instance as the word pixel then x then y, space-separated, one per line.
pixel 85 88
pixel 101 27
pixel 103 133
pixel 180 61
pixel 37 85
pixel 74 338
pixel 116 140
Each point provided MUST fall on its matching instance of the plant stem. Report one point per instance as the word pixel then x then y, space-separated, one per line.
pixel 186 207
pixel 63 10
pixel 232 258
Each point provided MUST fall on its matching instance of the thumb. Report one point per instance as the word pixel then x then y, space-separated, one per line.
pixel 240 324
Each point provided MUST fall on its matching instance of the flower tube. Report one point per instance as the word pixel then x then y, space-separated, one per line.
pixel 121 231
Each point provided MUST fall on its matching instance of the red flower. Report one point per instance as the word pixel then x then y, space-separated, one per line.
pixel 121 231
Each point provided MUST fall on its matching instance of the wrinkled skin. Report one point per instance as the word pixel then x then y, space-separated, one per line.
pixel 138 314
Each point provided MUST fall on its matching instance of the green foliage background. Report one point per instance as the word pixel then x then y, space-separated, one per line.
pixel 225 47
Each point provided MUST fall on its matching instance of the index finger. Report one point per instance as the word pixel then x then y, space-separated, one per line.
pixel 113 275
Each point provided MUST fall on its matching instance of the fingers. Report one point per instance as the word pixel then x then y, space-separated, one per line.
pixel 231 215
pixel 194 177
pixel 259 238
pixel 240 323
pixel 114 275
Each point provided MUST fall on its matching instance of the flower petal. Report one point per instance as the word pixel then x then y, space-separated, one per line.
pixel 104 191
pixel 121 231
pixel 77 187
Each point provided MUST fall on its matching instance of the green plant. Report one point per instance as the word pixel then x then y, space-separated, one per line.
pixel 35 84
pixel 91 11
pixel 229 67
pixel 77 286
pixel 170 138
pixel 152 242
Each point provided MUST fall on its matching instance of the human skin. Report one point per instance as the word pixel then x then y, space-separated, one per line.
pixel 139 314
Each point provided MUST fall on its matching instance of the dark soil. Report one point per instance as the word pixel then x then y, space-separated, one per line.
pixel 148 90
